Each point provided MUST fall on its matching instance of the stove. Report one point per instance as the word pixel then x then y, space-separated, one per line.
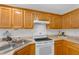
pixel 42 39
pixel 44 46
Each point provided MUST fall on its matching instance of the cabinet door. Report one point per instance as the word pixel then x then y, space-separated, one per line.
pixel 70 48
pixel 66 50
pixel 73 51
pixel 27 50
pixel 66 21
pixel 58 47
pixel 47 17
pixel 58 50
pixel 58 22
pixel 23 51
pixel 52 22
pixel 32 49
pixel 5 17
pixel 28 19
pixel 39 15
pixel 17 18
pixel 75 19
pixel 55 22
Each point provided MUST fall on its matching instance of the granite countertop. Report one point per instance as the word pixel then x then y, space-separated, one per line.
pixel 74 39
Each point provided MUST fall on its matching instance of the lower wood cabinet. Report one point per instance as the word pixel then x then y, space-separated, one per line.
pixel 63 47
pixel 58 47
pixel 27 50
pixel 32 49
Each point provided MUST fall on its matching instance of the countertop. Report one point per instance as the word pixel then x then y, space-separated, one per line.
pixel 12 51
pixel 73 39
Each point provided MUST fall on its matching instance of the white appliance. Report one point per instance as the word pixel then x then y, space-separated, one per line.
pixel 44 45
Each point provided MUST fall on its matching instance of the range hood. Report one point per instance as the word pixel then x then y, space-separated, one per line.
pixel 41 22
pixel 40 30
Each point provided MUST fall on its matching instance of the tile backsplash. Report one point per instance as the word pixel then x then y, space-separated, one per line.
pixel 18 32
pixel 29 32
pixel 71 32
pixel 25 32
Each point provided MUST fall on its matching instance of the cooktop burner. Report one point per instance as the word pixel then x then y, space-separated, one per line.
pixel 42 39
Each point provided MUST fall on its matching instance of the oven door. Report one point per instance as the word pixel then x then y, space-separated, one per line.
pixel 44 48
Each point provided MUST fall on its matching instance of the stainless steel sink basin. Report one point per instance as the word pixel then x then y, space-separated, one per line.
pixel 13 45
pixel 4 47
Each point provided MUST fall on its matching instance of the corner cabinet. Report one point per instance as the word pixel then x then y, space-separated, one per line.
pixel 5 17
pixel 27 50
pixel 63 47
pixel 55 22
pixel 17 18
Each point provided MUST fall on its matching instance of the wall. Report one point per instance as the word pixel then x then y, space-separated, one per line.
pixel 18 32
pixel 29 32
pixel 25 32
pixel 71 32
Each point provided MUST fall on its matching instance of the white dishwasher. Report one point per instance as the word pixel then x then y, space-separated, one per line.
pixel 44 47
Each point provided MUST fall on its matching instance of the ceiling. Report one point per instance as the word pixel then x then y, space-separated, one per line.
pixel 52 8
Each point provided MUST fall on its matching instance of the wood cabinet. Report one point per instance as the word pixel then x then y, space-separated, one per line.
pixel 11 17
pixel 24 51
pixel 74 51
pixel 72 48
pixel 66 22
pixel 5 17
pixel 63 47
pixel 71 20
pixel 40 15
pixel 75 19
pixel 58 48
pixel 28 19
pixel 27 50
pixel 32 49
pixel 55 22
pixel 17 18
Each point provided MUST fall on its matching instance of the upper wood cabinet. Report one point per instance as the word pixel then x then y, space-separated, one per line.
pixel 75 19
pixel 55 22
pixel 40 15
pixel 17 18
pixel 5 17
pixel 71 20
pixel 28 19
pixel 11 17
pixel 66 21
pixel 47 17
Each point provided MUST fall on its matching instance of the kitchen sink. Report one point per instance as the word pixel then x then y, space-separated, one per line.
pixel 4 47
pixel 12 45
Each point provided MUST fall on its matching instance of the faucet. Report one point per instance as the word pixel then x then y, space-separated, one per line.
pixel 7 36
pixel 7 33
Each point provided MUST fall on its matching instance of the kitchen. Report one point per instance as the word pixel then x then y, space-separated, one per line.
pixel 36 30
